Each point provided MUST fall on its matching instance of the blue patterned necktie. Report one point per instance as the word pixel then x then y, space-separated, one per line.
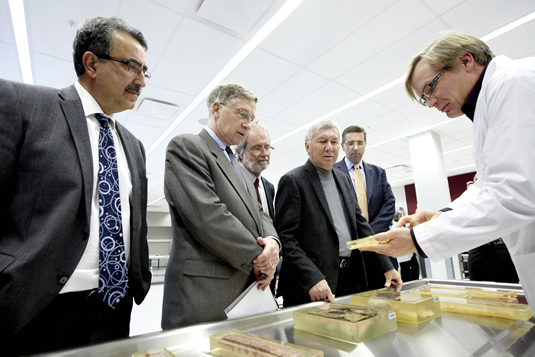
pixel 234 163
pixel 113 278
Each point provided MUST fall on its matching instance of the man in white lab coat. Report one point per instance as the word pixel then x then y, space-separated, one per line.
pixel 458 74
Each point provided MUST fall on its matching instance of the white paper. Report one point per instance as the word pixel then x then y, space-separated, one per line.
pixel 252 302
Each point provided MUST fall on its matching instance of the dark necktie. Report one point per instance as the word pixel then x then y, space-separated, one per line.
pixel 113 278
pixel 256 182
pixel 234 163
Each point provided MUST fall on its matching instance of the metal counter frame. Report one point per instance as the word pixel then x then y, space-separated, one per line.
pixel 451 334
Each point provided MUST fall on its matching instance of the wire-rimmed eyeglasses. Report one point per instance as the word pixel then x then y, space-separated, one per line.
pixel 259 149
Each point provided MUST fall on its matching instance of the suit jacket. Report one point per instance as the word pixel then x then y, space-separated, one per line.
pixel 46 184
pixel 309 240
pixel 270 195
pixel 216 222
pixel 381 200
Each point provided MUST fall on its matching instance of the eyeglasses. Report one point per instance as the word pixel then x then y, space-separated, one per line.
pixel 242 113
pixel 133 67
pixel 259 149
pixel 429 87
pixel 353 143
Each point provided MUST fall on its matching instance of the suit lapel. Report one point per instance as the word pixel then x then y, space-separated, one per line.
pixel 269 196
pixel 128 148
pixel 370 179
pixel 314 178
pixel 228 170
pixel 74 115
pixel 341 165
pixel 129 152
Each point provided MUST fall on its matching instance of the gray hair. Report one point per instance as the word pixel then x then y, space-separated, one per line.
pixel 224 93
pixel 319 125
pixel 95 35
pixel 241 146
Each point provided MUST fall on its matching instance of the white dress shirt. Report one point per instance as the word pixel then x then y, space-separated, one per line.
pixel 85 275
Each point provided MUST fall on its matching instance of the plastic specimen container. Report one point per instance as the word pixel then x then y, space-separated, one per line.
pixel 345 322
pixel 413 308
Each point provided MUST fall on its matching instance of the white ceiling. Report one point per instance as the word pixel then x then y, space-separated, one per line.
pixel 326 54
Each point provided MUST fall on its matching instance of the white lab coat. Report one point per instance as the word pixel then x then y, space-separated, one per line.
pixel 502 202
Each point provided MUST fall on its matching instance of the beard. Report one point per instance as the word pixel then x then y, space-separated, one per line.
pixel 256 166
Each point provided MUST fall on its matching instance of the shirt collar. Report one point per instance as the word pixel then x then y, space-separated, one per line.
pixel 90 105
pixel 214 136
pixel 253 176
pixel 350 164
pixel 469 106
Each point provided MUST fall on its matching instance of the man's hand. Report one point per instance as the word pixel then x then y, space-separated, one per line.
pixel 393 279
pixel 321 291
pixel 265 265
pixel 418 218
pixel 396 243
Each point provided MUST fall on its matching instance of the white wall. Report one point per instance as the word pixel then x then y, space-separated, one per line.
pixel 401 199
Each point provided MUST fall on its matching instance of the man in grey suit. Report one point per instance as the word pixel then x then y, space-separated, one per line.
pixel 316 215
pixel 380 201
pixel 50 187
pixel 222 240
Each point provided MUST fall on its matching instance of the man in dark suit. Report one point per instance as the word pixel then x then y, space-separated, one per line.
pixel 254 153
pixel 316 215
pixel 52 293
pixel 222 240
pixel 380 201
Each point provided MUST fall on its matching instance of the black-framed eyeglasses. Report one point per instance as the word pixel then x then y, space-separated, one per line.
pixel 133 67
pixel 259 149
pixel 429 87
pixel 242 113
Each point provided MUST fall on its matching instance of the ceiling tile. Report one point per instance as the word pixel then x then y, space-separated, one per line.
pixel 491 14
pixel 317 25
pixel 190 62
pixel 292 90
pixel 52 33
pixel 157 37
pixel 6 26
pixel 10 68
pixel 262 72
pixel 388 27
pixel 53 71
pixel 441 6
pixel 507 44
pixel 318 103
pixel 145 133
pixel 177 5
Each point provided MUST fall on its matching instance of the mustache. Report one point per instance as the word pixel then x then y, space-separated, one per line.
pixel 133 88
